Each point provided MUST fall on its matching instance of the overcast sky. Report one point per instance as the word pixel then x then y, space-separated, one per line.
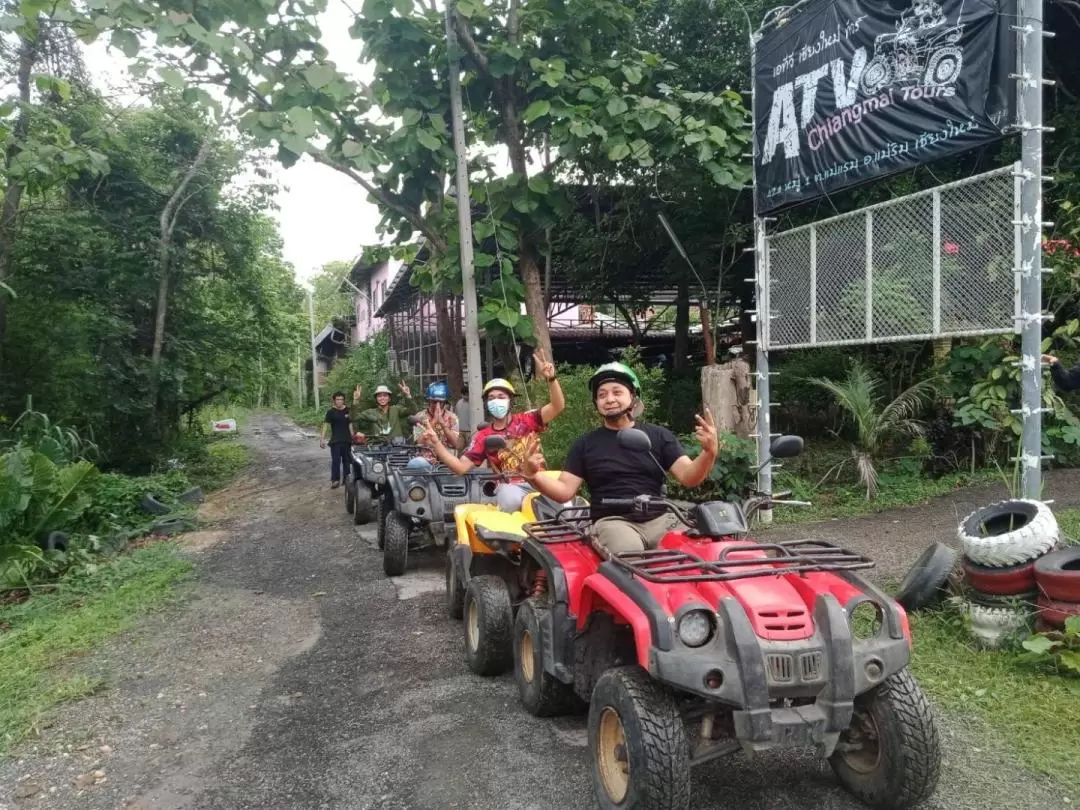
pixel 324 215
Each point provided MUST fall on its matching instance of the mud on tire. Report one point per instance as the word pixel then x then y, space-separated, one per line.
pixel 542 694
pixel 488 626
pixel 900 761
pixel 1008 533
pixel 640 750
pixel 396 546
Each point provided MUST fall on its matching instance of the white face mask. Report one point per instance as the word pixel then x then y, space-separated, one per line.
pixel 498 407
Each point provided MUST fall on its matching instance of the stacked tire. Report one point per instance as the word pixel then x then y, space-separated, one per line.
pixel 1003 544
pixel 1057 576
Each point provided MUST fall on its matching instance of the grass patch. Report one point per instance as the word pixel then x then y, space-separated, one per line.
pixel 223 461
pixel 308 417
pixel 81 612
pixel 1069 521
pixel 1035 713
pixel 897 489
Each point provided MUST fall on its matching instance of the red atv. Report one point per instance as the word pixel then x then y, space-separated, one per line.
pixel 711 644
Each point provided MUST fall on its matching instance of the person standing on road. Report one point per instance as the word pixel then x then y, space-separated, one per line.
pixel 521 431
pixel 385 421
pixel 612 471
pixel 341 436
pixel 1065 380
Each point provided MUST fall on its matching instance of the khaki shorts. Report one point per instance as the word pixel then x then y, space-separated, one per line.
pixel 617 534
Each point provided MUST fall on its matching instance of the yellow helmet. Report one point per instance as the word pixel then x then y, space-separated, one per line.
pixel 499 384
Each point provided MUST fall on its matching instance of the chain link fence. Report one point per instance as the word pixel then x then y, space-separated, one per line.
pixel 938 263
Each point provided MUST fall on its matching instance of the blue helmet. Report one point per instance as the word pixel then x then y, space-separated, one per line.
pixel 438 391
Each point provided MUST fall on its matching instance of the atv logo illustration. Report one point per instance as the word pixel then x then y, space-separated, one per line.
pixel 920 57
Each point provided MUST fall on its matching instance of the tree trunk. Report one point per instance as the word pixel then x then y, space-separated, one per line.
pixel 9 211
pixel 725 390
pixel 707 334
pixel 682 325
pixel 449 344
pixel 167 223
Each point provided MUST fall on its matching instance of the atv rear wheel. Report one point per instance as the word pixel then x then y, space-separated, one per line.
pixel 363 503
pixel 396 547
pixel 382 509
pixel 640 751
pixel 455 593
pixel 350 497
pixel 890 757
pixel 488 622
pixel 542 694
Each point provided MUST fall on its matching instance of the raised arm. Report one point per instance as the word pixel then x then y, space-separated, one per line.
pixel 458 465
pixel 556 401
pixel 561 489
pixel 691 472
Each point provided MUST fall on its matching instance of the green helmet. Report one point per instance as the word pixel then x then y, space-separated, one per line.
pixel 615 372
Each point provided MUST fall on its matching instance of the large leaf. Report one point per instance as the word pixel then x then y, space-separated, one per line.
pixel 537 109
pixel 303 122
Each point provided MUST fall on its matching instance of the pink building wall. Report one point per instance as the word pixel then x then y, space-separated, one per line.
pixel 368 303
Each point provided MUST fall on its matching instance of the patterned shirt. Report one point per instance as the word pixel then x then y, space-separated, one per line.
pixel 522 437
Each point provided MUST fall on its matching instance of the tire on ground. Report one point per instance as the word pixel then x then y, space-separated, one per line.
pixel 542 694
pixel 927 579
pixel 150 504
pixel 455 591
pixel 396 546
pixel 1058 575
pixel 991 624
pixel 488 626
pixel 638 741
pixel 1055 613
pixel 1026 599
pixel 382 509
pixel 1008 532
pixel 905 772
pixel 1003 581
pixel 350 497
pixel 363 507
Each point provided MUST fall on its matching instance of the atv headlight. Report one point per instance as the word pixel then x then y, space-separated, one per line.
pixel 695 627
pixel 378 467
pixel 417 493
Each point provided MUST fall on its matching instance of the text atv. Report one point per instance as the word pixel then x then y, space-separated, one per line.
pixel 711 644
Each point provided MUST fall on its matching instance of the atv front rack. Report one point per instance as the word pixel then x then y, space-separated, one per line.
pixel 785 557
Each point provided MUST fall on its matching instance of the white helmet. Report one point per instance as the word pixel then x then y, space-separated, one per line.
pixel 382 389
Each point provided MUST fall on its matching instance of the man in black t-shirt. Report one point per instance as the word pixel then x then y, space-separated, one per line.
pixel 612 471
pixel 341 434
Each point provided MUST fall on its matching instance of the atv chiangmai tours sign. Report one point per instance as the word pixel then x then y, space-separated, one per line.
pixel 847 91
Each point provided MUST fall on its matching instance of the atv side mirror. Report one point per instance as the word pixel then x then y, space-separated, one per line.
pixel 634 439
pixel 786 446
pixel 493 444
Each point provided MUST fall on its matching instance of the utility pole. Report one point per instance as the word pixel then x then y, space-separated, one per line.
pixel 475 377
pixel 1030 114
pixel 299 378
pixel 314 356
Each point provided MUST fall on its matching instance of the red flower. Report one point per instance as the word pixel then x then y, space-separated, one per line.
pixel 952 248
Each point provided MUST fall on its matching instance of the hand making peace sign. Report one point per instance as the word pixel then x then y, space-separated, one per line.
pixel 357 393
pixel 705 433
pixel 544 367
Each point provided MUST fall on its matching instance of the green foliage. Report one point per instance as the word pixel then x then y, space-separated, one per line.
pixel 729 479
pixel 87 606
pixel 875 424
pixel 39 433
pixel 366 365
pixel 1057 651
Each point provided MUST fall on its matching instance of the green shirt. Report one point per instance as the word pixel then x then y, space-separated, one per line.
pixel 377 425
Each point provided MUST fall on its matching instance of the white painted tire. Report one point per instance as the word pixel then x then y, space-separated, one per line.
pixel 988 538
pixel 992 625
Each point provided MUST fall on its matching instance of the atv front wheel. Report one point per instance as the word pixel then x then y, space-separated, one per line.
pixel 890 757
pixel 382 509
pixel 455 594
pixel 640 751
pixel 350 497
pixel 396 547
pixel 488 621
pixel 542 695
pixel 362 504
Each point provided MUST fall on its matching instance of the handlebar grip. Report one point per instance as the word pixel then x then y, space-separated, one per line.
pixel 617 502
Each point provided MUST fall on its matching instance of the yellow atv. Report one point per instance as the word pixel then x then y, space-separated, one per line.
pixel 485 576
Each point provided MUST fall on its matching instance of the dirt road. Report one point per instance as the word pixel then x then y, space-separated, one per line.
pixel 297 676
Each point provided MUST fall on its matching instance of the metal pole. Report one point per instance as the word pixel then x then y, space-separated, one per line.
pixel 761 290
pixel 475 377
pixel 299 378
pixel 1030 112
pixel 314 356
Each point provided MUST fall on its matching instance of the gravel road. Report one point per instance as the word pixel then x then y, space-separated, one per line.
pixel 297 677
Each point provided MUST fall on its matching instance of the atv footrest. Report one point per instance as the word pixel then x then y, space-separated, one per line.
pixel 741 560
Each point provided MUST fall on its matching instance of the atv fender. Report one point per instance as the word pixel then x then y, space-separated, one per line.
pixel 461 554
pixel 631 602
pixel 557 626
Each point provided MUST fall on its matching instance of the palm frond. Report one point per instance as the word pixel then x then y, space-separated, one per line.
pixel 909 402
pixel 868 475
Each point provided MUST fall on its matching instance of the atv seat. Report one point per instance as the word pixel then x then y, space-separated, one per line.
pixel 547 509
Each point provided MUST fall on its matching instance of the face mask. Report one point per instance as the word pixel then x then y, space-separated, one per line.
pixel 498 407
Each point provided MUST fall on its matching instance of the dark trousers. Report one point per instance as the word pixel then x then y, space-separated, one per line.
pixel 339 461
